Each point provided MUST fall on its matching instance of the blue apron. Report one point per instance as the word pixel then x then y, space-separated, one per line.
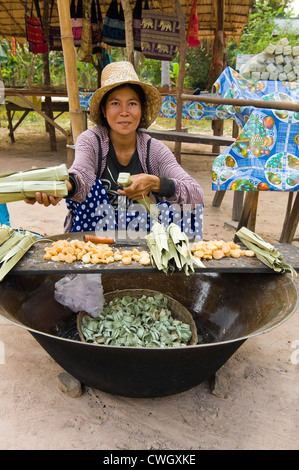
pixel 97 214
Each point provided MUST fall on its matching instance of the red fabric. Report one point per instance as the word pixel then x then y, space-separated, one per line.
pixel 192 34
pixel 14 47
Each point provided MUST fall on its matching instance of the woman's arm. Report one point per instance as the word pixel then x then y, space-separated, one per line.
pixel 84 167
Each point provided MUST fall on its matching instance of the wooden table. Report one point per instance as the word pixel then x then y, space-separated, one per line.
pixel 60 106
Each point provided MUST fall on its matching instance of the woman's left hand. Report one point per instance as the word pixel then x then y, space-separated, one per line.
pixel 141 186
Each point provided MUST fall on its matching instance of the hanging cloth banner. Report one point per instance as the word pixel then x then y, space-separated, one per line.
pixel 114 26
pixel 192 34
pixel 137 12
pixel 160 35
pixel 34 30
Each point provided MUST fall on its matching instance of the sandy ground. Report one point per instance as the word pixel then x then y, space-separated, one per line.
pixel 260 410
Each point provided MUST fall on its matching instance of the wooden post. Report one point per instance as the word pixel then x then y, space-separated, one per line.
pixel 47 80
pixel 181 77
pixel 218 62
pixel 70 64
pixel 128 15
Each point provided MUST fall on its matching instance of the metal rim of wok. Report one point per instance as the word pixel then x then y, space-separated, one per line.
pixel 202 345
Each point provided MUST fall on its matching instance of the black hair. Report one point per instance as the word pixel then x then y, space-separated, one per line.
pixel 135 87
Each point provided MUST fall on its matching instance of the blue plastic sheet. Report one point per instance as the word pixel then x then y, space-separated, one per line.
pixel 265 156
pixel 193 110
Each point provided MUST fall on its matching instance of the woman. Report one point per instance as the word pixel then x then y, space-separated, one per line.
pixel 95 201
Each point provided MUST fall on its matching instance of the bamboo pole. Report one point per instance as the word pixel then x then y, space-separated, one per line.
pixel 70 64
pixel 128 15
pixel 181 77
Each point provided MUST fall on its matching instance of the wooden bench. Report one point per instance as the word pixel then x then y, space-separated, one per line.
pixel 175 136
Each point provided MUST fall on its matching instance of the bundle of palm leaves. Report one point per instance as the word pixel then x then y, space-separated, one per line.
pixel 24 184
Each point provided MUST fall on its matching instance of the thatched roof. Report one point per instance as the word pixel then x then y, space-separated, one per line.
pixel 236 16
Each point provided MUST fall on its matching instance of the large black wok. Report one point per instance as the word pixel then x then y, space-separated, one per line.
pixel 227 308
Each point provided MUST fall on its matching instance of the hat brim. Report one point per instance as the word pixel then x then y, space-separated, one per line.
pixel 153 102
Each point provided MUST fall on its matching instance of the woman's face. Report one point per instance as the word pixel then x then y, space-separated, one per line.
pixel 123 111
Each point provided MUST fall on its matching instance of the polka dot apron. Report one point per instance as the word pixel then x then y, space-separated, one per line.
pixel 97 214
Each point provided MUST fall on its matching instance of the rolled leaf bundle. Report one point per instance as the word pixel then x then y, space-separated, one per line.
pixel 5 232
pixel 10 242
pixel 125 180
pixel 264 251
pixel 53 173
pixel 24 184
pixel 15 253
pixel 170 250
pixel 19 190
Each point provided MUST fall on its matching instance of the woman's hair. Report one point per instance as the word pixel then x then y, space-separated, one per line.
pixel 139 92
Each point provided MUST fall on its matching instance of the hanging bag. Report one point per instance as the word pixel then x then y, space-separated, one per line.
pixel 96 25
pixel 34 30
pixel 85 51
pixel 76 13
pixel 137 12
pixel 114 26
pixel 76 21
pixel 160 34
pixel 55 43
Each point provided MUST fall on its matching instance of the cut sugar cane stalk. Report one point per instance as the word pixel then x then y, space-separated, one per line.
pixel 125 180
pixel 264 251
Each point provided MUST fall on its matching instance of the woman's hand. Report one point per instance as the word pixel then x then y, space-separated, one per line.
pixel 141 186
pixel 44 199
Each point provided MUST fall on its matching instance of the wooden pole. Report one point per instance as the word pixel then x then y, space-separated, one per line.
pixel 181 77
pixel 218 62
pixel 47 79
pixel 70 64
pixel 128 15
pixel 285 105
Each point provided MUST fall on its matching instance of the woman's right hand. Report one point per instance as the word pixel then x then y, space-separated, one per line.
pixel 44 199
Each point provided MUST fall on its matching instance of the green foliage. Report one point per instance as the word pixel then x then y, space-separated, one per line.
pixel 199 60
pixel 259 31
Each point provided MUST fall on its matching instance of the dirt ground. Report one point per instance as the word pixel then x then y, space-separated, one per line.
pixel 260 410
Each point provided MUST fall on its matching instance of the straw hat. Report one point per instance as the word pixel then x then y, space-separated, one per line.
pixel 120 73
